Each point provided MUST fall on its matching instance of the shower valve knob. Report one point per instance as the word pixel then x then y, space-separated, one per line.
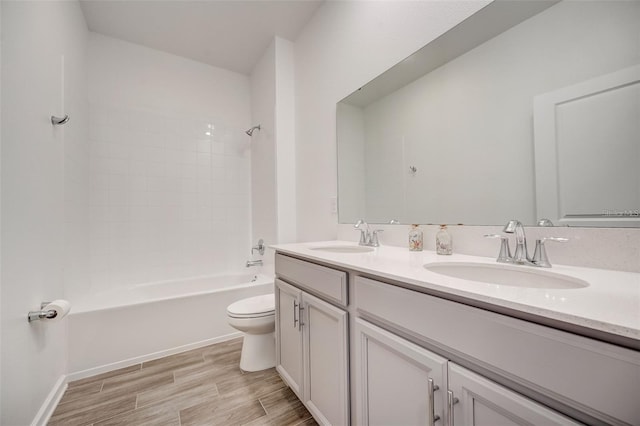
pixel 259 248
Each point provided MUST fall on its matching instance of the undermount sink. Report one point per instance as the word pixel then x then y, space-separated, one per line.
pixel 343 249
pixel 508 275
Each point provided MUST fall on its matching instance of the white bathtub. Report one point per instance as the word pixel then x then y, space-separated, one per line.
pixel 119 328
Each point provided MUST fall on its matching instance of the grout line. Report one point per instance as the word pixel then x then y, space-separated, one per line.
pixel 262 405
pixel 270 393
pixel 218 390
pixel 109 417
pixel 304 420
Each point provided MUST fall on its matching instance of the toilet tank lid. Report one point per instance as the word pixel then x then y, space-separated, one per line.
pixel 253 305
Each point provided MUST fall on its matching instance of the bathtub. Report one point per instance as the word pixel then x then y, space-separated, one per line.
pixel 118 328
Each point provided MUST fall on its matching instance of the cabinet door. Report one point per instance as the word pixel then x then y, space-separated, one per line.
pixel 397 382
pixel 289 336
pixel 326 361
pixel 478 401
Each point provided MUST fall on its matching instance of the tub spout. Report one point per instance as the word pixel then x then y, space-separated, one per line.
pixel 251 263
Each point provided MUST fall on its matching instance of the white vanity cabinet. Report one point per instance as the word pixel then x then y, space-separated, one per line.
pixel 325 361
pixel 397 382
pixel 473 400
pixel 312 337
pixel 422 356
pixel 592 381
pixel 289 336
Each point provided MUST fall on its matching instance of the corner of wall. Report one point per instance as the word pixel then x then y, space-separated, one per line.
pixel 285 141
pixel 1 207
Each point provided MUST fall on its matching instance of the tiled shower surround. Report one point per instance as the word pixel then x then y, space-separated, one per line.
pixel 169 196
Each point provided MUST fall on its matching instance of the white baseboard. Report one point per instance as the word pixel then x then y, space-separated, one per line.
pixel 148 357
pixel 51 402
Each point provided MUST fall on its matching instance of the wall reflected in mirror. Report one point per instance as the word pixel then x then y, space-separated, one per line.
pixel 452 139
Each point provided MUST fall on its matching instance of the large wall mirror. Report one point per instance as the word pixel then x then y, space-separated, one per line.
pixel 526 110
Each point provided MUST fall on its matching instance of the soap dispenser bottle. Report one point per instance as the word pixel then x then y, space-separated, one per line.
pixel 415 238
pixel 444 243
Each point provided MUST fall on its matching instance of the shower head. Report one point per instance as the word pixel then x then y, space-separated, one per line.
pixel 250 131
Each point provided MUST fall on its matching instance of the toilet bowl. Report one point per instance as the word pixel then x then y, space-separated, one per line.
pixel 255 317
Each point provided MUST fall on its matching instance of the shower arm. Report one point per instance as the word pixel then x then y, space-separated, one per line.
pixel 250 131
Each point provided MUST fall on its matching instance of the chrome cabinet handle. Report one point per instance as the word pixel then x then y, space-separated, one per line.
pixel 451 401
pixel 300 323
pixel 431 389
pixel 295 320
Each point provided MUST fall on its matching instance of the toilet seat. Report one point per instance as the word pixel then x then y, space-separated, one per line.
pixel 253 307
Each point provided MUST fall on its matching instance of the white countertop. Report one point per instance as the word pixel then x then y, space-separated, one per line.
pixel 610 304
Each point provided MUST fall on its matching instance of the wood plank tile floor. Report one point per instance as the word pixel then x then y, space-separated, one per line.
pixel 201 387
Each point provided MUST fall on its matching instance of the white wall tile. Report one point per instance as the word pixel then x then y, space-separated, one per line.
pixel 159 213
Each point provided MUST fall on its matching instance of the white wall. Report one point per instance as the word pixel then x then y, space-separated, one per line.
pixel 35 85
pixel 1 217
pixel 285 141
pixel 273 147
pixel 263 150
pixel 76 179
pixel 482 172
pixel 345 45
pixel 170 166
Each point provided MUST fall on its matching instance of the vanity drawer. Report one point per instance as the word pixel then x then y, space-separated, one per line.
pixel 320 280
pixel 596 378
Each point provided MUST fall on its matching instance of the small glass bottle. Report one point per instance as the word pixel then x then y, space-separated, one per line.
pixel 415 238
pixel 444 243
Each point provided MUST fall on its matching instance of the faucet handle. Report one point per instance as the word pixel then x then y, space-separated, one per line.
pixel 374 242
pixel 555 239
pixel 259 248
pixel 373 239
pixel 364 232
pixel 363 237
pixel 505 251
pixel 544 222
pixel 540 257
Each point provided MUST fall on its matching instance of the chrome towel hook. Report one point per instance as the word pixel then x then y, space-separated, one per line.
pixel 57 121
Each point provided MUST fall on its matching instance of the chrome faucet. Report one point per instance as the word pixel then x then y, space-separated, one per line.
pixel 367 237
pixel 521 255
pixel 251 263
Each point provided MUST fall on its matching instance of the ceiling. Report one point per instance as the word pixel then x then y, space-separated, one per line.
pixel 230 34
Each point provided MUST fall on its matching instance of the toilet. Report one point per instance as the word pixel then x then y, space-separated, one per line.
pixel 255 317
